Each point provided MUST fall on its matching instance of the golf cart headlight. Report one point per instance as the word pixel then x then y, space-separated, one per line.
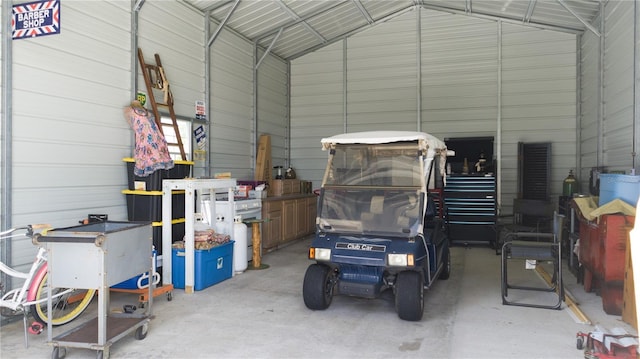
pixel 321 254
pixel 400 260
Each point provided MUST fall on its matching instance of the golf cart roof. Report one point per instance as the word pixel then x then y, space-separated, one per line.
pixel 426 140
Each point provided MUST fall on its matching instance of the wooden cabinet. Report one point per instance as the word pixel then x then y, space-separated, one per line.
pixel 289 218
pixel 272 228
pixel 284 187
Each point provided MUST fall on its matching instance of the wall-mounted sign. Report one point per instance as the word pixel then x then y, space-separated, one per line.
pixel 142 97
pixel 36 18
pixel 201 137
pixel 200 110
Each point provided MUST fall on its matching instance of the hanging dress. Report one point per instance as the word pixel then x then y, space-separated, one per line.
pixel 151 152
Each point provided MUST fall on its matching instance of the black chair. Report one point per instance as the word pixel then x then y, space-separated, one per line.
pixel 529 215
pixel 544 247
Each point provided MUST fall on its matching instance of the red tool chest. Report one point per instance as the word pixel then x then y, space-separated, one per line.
pixel 603 253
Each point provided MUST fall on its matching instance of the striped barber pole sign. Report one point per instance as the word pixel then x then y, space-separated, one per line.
pixel 38 18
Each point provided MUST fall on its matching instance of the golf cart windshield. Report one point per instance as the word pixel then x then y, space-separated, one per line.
pixel 373 188
pixel 386 165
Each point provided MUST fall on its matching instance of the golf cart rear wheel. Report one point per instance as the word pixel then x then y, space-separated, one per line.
pixel 446 263
pixel 317 290
pixel 409 296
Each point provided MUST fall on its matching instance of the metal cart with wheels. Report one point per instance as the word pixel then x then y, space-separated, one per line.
pixel 97 256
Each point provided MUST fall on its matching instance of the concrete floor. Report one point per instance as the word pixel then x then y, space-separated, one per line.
pixel 261 314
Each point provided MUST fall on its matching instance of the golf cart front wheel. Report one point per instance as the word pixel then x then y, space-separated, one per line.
pixel 409 296
pixel 317 289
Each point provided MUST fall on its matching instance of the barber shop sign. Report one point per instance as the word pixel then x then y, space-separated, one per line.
pixel 36 18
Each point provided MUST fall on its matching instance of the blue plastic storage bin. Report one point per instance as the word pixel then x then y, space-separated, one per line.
pixel 212 266
pixel 619 186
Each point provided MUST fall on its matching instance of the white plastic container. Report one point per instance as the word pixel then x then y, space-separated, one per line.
pixel 221 225
pixel 240 245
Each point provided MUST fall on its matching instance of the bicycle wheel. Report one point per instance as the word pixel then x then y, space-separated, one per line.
pixel 65 307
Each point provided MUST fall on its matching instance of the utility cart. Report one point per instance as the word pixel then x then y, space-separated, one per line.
pixel 97 256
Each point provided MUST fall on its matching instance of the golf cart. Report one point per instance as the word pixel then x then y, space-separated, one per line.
pixel 378 225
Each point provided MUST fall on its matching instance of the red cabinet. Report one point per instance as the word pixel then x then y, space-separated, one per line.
pixel 603 246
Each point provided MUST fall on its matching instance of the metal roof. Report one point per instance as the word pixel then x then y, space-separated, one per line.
pixel 292 28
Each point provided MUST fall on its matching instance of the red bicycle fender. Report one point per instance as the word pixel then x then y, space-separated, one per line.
pixel 33 287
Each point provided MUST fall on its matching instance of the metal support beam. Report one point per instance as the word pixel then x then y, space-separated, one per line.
pixel 209 40
pixel 499 120
pixel 207 89
pixel 216 6
pixel 254 125
pixel 600 120
pixel 530 8
pixel 363 11
pixel 505 19
pixel 6 126
pixel 260 37
pixel 344 86
pixel 295 16
pixel 419 69
pixel 222 24
pixel 636 84
pixel 268 50
pixel 578 159
pixel 350 33
pixel 288 139
pixel 577 16
pixel 136 5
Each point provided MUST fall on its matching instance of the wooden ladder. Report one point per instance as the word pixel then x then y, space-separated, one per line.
pixel 155 79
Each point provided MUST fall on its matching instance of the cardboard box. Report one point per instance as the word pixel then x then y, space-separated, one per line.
pixel 242 191
pixel 212 266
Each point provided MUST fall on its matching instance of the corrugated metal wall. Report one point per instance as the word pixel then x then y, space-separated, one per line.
pixel 589 106
pixel 459 75
pixel 618 85
pixel 69 132
pixel 538 101
pixel 317 108
pixel 175 33
pixel 382 77
pixel 273 107
pixel 231 105
pixel 459 70
pixel 607 122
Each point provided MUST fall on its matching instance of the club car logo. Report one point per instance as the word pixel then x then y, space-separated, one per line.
pixel 361 247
